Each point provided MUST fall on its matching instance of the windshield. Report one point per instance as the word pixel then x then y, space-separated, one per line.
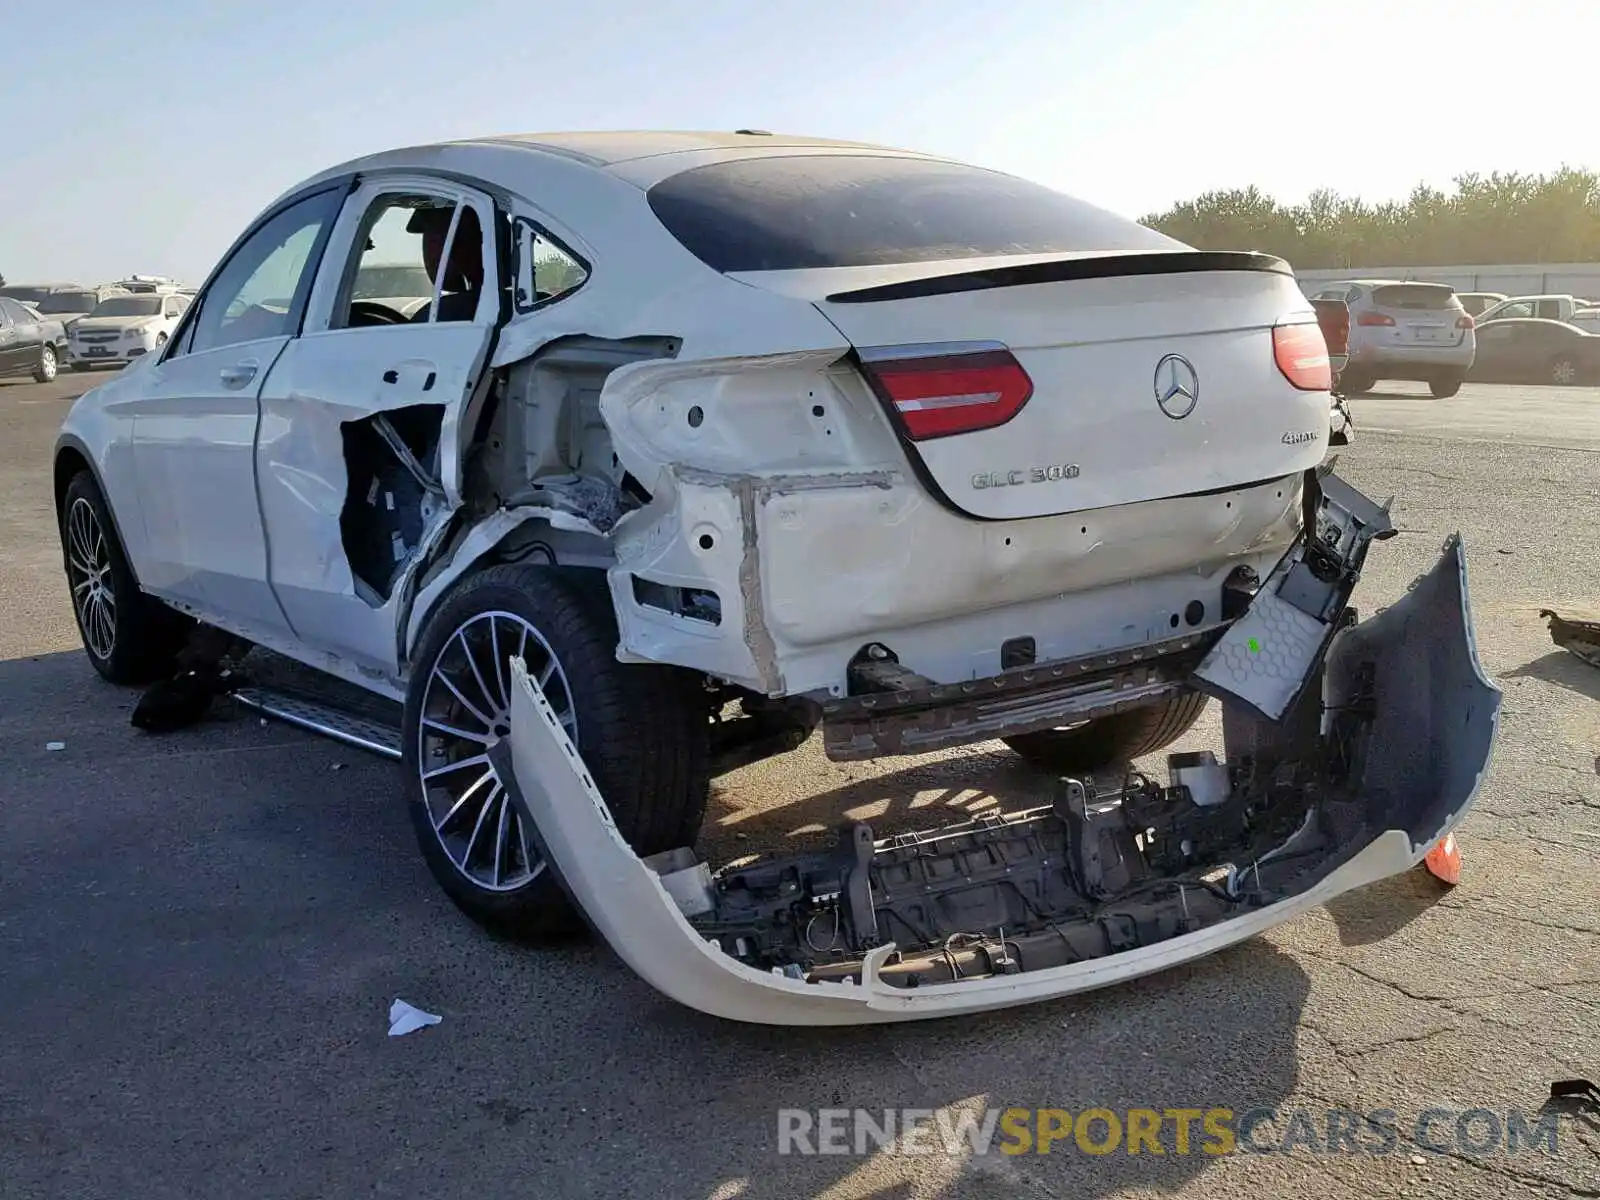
pixel 28 295
pixel 807 211
pixel 376 282
pixel 68 302
pixel 128 306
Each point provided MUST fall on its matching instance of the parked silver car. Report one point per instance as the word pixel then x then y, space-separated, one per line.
pixel 1405 330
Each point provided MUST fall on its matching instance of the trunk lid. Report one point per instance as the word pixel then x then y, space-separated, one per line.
pixel 1152 375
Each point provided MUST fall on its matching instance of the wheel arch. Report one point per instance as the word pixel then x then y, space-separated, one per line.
pixel 72 458
pixel 489 543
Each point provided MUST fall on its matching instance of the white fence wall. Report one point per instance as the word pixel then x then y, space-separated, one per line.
pixel 1527 279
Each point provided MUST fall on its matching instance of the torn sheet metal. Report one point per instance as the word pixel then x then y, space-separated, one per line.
pixel 482 538
pixel 1112 579
pixel 1435 716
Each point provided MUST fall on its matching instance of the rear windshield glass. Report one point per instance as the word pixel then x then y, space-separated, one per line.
pixel 807 211
pixel 1414 295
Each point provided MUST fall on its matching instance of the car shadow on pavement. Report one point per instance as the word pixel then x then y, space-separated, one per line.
pixel 743 814
pixel 1564 670
pixel 1220 1033
pixel 1381 910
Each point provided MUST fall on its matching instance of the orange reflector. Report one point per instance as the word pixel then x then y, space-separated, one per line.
pixel 1444 860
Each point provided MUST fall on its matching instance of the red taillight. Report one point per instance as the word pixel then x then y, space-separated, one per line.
pixel 1372 318
pixel 938 395
pixel 1301 353
pixel 1465 321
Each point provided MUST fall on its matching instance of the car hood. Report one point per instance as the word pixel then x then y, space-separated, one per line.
pixel 66 318
pixel 90 324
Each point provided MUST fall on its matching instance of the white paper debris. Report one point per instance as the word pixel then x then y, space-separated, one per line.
pixel 404 1019
pixel 55 745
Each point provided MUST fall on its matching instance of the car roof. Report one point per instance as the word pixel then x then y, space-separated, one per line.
pixel 639 157
pixel 608 148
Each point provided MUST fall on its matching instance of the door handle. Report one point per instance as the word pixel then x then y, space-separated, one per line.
pixel 239 374
pixel 414 368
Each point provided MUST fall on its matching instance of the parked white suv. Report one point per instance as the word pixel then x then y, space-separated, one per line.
pixel 1405 330
pixel 704 441
pixel 123 328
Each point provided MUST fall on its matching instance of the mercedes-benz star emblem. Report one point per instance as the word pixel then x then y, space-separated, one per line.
pixel 1177 386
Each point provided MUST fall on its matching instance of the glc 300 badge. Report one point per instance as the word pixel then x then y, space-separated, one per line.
pixel 1051 474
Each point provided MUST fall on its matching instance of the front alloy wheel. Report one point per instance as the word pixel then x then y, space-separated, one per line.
pixel 130 637
pixel 466 710
pixel 1563 372
pixel 46 370
pixel 89 573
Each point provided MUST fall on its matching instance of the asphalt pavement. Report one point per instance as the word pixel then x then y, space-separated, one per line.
pixel 201 935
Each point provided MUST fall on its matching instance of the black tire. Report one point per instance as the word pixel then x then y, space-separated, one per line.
pixel 1443 389
pixel 77 366
pixel 1352 384
pixel 145 635
pixel 644 731
pixel 46 370
pixel 1112 740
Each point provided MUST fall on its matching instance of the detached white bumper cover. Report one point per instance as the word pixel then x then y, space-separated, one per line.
pixel 1434 731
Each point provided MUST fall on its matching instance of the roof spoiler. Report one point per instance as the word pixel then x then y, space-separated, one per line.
pixel 1097 266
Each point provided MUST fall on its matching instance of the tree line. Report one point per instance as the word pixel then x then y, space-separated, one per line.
pixel 1494 219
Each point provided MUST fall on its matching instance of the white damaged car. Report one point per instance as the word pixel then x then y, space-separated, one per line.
pixel 703 443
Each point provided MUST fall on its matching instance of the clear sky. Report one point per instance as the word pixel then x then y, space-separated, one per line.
pixel 144 136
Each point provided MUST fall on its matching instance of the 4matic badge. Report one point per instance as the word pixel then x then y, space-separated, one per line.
pixel 1051 474
pixel 1301 438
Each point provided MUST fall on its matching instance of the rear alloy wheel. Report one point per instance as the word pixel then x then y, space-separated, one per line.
pixel 466 708
pixel 128 636
pixel 1443 389
pixel 1563 372
pixel 644 730
pixel 1111 741
pixel 46 370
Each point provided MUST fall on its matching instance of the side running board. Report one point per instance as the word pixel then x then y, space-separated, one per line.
pixel 353 729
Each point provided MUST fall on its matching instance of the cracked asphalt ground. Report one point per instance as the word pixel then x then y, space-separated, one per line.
pixel 200 936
